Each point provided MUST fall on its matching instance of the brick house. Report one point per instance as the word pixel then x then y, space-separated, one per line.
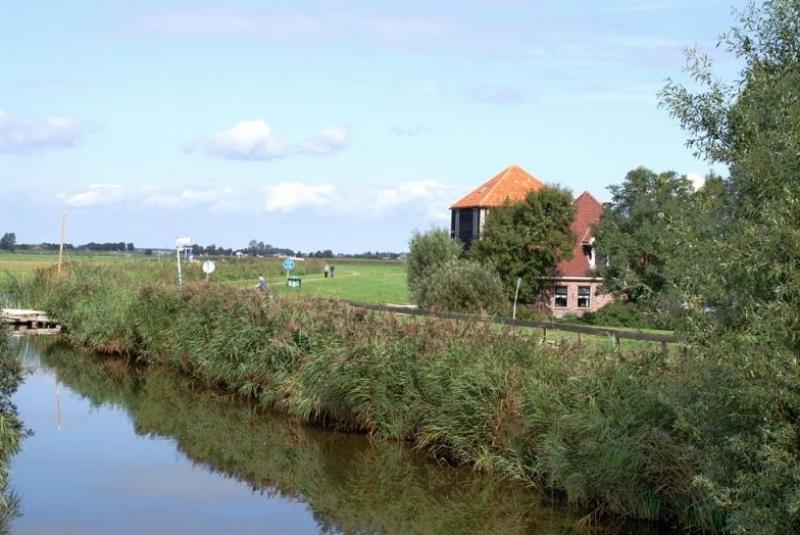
pixel 573 288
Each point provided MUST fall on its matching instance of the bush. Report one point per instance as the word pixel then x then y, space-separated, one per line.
pixel 427 252
pixel 463 286
pixel 617 314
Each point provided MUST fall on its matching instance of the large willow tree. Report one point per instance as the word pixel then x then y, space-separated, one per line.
pixel 752 125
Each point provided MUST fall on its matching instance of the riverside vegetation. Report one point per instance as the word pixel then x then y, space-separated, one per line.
pixel 701 439
pixel 11 430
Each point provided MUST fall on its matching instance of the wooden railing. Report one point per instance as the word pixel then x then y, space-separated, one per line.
pixel 615 334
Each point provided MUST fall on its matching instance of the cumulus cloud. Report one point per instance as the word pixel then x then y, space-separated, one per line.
pixel 247 140
pixel 289 196
pixel 136 197
pixel 328 141
pixel 96 195
pixel 254 140
pixel 429 198
pixel 24 137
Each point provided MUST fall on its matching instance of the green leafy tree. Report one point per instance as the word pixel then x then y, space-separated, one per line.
pixel 8 242
pixel 426 252
pixel 746 310
pixel 641 232
pixel 527 239
pixel 752 125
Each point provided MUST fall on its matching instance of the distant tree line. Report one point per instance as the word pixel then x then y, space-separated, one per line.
pixel 9 243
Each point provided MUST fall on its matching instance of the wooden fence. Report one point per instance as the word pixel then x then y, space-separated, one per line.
pixel 615 334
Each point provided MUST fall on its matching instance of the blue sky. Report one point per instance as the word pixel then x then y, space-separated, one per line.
pixel 318 124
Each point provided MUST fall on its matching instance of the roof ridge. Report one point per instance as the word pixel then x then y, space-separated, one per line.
pixel 500 176
pixel 592 197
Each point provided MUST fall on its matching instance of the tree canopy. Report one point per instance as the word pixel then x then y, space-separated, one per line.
pixel 528 239
pixel 752 125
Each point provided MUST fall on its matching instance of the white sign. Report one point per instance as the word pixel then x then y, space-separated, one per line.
pixel 183 242
pixel 209 267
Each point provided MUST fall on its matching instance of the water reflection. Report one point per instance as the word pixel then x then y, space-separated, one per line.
pixel 85 470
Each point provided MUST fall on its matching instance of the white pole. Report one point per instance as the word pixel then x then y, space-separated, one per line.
pixel 516 295
pixel 61 247
pixel 180 276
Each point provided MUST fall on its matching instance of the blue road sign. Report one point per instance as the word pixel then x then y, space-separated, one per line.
pixel 288 264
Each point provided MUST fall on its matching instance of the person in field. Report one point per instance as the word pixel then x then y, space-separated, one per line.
pixel 333 270
pixel 326 271
pixel 262 284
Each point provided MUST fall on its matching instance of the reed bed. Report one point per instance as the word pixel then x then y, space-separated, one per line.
pixel 705 440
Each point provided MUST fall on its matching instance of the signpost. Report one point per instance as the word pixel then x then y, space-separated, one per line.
pixel 208 268
pixel 180 245
pixel 291 282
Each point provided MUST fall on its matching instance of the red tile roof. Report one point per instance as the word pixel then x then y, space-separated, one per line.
pixel 588 211
pixel 512 183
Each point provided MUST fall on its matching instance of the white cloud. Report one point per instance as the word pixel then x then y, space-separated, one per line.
pixel 289 196
pixel 697 179
pixel 247 140
pixel 24 137
pixel 328 141
pixel 97 195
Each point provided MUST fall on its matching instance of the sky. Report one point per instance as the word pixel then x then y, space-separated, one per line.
pixel 321 124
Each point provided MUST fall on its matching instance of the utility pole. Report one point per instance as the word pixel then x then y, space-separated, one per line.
pixel 61 247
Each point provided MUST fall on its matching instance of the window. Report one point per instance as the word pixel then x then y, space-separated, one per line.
pixel 561 296
pixel 584 296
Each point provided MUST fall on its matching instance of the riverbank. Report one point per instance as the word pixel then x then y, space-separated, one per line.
pixel 683 439
pixel 11 431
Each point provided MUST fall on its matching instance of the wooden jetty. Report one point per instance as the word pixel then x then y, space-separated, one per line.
pixel 30 322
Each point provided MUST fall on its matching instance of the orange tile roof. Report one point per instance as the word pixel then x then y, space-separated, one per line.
pixel 588 211
pixel 512 183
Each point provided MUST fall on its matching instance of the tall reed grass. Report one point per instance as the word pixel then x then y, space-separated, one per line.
pixel 706 440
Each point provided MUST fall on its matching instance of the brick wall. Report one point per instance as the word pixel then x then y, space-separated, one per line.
pixel 596 299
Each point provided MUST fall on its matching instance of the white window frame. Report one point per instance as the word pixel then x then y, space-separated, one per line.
pixel 556 296
pixel 587 297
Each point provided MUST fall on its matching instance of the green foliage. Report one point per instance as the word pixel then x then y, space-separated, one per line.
pixel 8 242
pixel 527 239
pixel 640 234
pixel 11 430
pixel 463 286
pixel 752 125
pixel 426 252
pixel 745 305
pixel 617 314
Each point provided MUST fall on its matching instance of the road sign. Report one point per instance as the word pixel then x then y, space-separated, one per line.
pixel 209 267
pixel 288 264
pixel 183 242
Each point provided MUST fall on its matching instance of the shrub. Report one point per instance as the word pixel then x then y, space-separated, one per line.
pixel 463 286
pixel 617 314
pixel 426 252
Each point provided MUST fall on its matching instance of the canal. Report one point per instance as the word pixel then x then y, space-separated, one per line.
pixel 120 449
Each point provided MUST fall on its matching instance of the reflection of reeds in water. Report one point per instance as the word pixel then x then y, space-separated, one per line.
pixel 352 484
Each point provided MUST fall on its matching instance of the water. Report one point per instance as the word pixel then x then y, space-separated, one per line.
pixel 123 450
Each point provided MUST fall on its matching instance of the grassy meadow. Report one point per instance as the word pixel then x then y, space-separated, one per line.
pixel 368 281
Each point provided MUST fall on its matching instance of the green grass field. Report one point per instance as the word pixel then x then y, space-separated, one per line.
pixel 365 281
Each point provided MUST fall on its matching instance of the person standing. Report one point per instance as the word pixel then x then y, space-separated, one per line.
pixel 327 270
pixel 262 284
pixel 333 270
